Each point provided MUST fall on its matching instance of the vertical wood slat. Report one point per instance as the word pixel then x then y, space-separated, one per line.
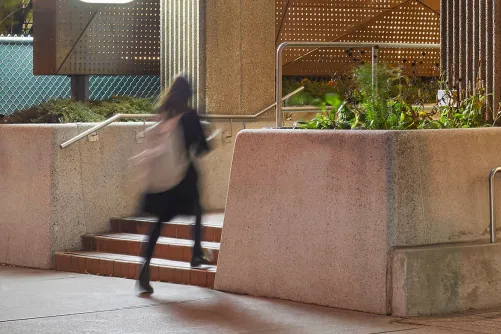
pixel 444 37
pixel 469 42
pixel 481 47
pixel 450 49
pixel 455 44
pixel 462 44
pixel 489 53
pixel 180 43
pixel 476 41
pixel 496 84
pixel 481 40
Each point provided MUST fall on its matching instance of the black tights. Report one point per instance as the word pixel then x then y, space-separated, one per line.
pixel 157 229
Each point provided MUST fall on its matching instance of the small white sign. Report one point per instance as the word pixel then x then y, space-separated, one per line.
pixel 447 98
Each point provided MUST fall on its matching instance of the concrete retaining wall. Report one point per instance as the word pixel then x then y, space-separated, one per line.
pixel 442 279
pixel 51 197
pixel 312 215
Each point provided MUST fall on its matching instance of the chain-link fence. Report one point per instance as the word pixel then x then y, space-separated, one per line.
pixel 20 89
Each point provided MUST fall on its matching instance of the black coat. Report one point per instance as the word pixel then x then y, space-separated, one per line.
pixel 183 199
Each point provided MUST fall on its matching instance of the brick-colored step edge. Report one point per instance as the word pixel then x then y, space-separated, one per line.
pixel 176 229
pixel 130 244
pixel 127 266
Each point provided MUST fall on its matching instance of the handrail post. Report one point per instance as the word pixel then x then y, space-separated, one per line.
pixel 491 205
pixel 375 56
pixel 91 130
pixel 278 80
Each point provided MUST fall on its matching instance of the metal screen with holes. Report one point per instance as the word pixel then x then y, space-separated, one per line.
pixel 20 89
pixel 371 21
pixel 74 37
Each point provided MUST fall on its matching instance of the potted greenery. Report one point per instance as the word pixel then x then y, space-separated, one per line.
pixel 390 106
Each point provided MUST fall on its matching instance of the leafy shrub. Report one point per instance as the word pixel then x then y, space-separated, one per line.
pixel 390 106
pixel 418 90
pixel 69 111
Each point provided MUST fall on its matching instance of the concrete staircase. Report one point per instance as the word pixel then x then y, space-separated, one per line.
pixel 118 252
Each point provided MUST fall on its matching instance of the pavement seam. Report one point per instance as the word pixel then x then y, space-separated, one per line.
pixel 401 322
pixel 103 311
pixel 397 330
pixel 42 280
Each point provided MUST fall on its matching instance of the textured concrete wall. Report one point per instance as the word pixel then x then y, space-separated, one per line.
pixel 51 197
pixel 327 207
pixel 227 46
pixel 25 237
pixel 446 279
pixel 216 166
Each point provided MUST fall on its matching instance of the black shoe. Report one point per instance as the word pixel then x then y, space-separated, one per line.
pixel 143 281
pixel 144 288
pixel 197 261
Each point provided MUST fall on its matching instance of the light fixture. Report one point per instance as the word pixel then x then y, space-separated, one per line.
pixel 115 2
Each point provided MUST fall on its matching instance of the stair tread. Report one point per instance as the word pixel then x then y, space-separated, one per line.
pixel 211 220
pixel 138 259
pixel 161 240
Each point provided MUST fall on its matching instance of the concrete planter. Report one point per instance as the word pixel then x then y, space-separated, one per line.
pixel 317 216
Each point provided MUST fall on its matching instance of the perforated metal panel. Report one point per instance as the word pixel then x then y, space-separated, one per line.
pixel 373 21
pixel 84 38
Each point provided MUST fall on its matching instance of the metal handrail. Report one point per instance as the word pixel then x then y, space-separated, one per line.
pixel 271 106
pixel 103 124
pixel 300 109
pixel 491 205
pixel 117 117
pixel 374 47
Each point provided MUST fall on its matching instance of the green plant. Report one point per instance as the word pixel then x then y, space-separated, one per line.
pixel 335 115
pixel 384 106
pixel 469 112
pixel 314 88
pixel 390 106
pixel 69 111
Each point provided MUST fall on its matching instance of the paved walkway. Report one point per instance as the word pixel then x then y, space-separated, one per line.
pixel 35 301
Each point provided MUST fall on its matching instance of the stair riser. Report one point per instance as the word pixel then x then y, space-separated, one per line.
pixel 117 268
pixel 180 231
pixel 133 247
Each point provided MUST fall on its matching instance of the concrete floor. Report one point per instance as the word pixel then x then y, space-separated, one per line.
pixel 35 301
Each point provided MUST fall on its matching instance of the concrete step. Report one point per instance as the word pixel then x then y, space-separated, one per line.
pixel 179 228
pixel 130 244
pixel 128 266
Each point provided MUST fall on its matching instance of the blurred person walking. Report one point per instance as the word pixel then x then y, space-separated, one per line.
pixel 171 175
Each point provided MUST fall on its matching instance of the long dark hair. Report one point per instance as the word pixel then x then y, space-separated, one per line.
pixel 175 99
